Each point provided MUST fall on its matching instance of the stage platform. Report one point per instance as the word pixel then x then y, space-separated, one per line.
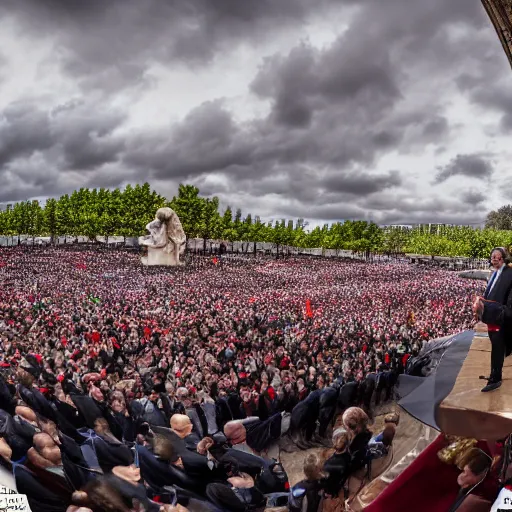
pixel 468 412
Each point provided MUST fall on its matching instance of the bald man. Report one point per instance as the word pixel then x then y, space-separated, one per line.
pixel 257 437
pixel 45 453
pixel 182 426
pixel 44 460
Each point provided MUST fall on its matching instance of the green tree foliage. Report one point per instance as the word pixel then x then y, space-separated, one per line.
pixel 500 219
pixel 63 215
pixel 228 226
pixel 50 218
pixel 190 209
pixel 211 223
pixel 105 212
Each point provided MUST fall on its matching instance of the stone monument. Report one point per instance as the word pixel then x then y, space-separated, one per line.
pixel 165 241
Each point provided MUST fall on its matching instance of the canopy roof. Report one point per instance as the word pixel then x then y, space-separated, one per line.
pixel 500 12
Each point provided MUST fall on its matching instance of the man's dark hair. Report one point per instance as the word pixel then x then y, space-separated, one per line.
pixel 479 463
pixel 164 448
pixel 503 252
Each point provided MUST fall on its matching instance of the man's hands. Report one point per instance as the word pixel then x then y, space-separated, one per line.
pixel 478 306
pixel 204 445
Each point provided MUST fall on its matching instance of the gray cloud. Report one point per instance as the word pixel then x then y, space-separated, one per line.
pixel 334 112
pixel 471 166
pixel 308 80
pixel 361 184
pixel 111 44
pixel 497 98
pixel 473 197
pixel 86 139
pixel 42 151
pixel 404 209
pixel 23 131
pixel 3 65
pixel 208 140
pixel 311 121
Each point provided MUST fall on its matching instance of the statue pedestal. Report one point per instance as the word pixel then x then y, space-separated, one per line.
pixel 159 257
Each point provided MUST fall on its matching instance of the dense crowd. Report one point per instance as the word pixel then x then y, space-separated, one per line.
pixel 236 355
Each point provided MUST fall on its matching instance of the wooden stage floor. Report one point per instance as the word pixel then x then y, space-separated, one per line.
pixel 468 412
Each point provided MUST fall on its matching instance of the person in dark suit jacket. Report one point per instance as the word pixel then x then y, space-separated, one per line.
pixel 495 310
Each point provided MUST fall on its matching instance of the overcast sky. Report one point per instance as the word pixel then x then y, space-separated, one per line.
pixel 396 111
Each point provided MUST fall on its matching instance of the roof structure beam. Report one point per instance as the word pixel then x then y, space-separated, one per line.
pixel 500 13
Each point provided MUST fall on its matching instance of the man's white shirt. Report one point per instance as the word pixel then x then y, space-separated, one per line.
pixel 499 271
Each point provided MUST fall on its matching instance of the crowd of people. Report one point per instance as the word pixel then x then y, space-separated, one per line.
pixel 192 379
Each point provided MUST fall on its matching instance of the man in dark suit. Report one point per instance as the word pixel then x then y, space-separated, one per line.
pixel 495 310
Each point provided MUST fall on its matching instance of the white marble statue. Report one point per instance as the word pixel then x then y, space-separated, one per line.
pixel 166 239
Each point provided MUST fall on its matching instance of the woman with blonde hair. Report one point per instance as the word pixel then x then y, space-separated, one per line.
pixel 337 468
pixel 307 495
pixel 355 420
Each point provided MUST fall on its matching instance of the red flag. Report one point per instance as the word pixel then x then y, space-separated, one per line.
pixel 309 311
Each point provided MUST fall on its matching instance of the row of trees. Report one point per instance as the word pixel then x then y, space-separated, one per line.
pixel 86 212
pixel 104 212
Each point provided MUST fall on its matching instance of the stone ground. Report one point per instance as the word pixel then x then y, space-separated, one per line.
pixel 293 462
pixel 407 434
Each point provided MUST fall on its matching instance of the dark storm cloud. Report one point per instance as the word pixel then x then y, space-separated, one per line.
pixel 333 212
pixel 471 166
pixel 497 98
pixel 461 216
pixel 23 131
pixel 21 179
pixel 42 151
pixel 333 112
pixel 361 184
pixel 437 126
pixel 308 80
pixel 307 186
pixel 3 65
pixel 331 109
pixel 111 43
pixel 86 138
pixel 206 141
pixel 83 137
pixel 391 209
pixel 486 82
pixel 472 197
pixel 402 209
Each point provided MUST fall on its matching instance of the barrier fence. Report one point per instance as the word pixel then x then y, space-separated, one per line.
pixel 198 246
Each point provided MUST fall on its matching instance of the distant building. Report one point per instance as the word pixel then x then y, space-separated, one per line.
pixel 396 226
pixel 432 227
